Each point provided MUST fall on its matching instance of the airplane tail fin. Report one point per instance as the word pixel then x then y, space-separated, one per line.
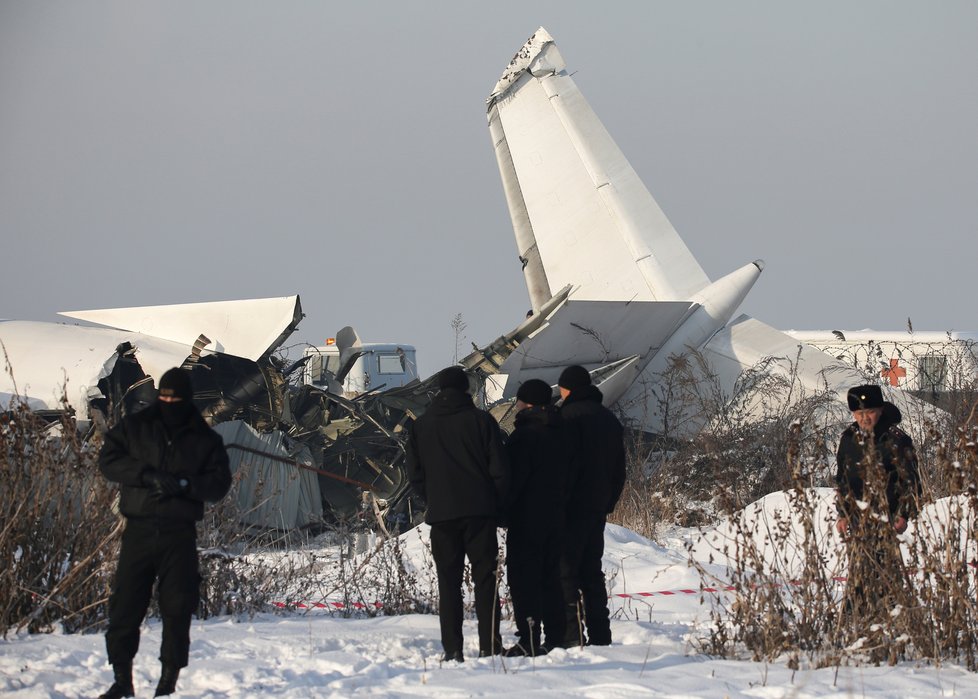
pixel 580 213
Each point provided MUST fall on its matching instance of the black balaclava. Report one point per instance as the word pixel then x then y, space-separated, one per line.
pixel 176 383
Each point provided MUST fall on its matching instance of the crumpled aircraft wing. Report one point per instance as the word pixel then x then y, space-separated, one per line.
pixel 51 360
pixel 580 213
pixel 250 328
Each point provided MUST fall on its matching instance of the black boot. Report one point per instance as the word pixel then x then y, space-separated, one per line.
pixel 574 630
pixel 122 686
pixel 168 680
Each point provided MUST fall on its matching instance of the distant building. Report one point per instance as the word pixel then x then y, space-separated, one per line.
pixel 927 364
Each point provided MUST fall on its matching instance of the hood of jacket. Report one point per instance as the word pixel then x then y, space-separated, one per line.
pixel 449 401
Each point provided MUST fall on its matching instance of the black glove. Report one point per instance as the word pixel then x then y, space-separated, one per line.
pixel 162 484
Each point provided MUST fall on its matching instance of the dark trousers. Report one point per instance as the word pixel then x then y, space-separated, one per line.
pixel 875 572
pixel 451 542
pixel 533 573
pixel 151 551
pixel 583 580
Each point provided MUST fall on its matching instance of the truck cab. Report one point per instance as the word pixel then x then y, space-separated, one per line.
pixel 380 366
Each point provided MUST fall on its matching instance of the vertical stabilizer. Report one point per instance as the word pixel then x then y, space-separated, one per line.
pixel 580 213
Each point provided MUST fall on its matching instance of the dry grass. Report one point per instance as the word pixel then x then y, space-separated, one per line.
pixel 914 604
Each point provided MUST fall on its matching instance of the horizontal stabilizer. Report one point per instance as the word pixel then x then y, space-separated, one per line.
pixel 594 333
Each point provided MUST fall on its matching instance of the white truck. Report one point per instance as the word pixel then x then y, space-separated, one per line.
pixel 375 366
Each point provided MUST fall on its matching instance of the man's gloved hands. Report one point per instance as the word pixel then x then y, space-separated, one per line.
pixel 162 484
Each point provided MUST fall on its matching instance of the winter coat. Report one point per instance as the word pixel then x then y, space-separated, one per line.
pixel 142 442
pixel 597 438
pixel 894 451
pixel 456 462
pixel 540 457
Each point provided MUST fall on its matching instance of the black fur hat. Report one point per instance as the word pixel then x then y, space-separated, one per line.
pixel 865 397
pixel 574 378
pixel 535 392
pixel 453 377
pixel 176 383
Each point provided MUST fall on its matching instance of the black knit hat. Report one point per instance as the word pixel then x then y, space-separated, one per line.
pixel 453 377
pixel 574 378
pixel 177 384
pixel 865 397
pixel 535 392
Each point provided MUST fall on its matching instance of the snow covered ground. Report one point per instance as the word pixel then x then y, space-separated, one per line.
pixel 319 656
pixel 312 653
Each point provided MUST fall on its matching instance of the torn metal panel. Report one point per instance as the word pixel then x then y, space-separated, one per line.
pixel 365 441
pixel 350 347
pixel 488 360
pixel 614 380
pixel 234 388
pixel 273 490
pixel 524 60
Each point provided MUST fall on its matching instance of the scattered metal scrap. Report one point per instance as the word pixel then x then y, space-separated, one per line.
pixel 338 456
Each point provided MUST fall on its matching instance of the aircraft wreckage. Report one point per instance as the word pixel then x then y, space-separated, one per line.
pixel 302 453
pixel 612 285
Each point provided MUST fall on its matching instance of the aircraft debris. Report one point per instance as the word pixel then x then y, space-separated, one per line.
pixel 315 452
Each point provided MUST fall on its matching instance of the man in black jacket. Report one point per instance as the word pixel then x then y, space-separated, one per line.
pixel 540 458
pixel 876 475
pixel 596 483
pixel 168 462
pixel 457 465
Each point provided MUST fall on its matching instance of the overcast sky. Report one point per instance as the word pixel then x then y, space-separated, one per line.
pixel 171 152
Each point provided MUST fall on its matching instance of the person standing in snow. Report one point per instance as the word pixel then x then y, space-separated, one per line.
pixel 876 475
pixel 539 458
pixel 457 465
pixel 595 484
pixel 168 462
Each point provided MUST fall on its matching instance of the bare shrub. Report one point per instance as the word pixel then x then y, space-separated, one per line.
pixel 59 539
pixel 799 592
pixel 58 531
pixel 238 577
pixel 741 450
pixel 371 574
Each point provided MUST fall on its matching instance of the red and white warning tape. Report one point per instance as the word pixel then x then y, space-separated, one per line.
pixel 669 593
pixel 719 588
pixel 379 605
pixel 623 595
pixel 326 605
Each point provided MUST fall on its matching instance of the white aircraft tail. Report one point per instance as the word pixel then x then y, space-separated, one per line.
pixel 568 185
pixel 632 292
